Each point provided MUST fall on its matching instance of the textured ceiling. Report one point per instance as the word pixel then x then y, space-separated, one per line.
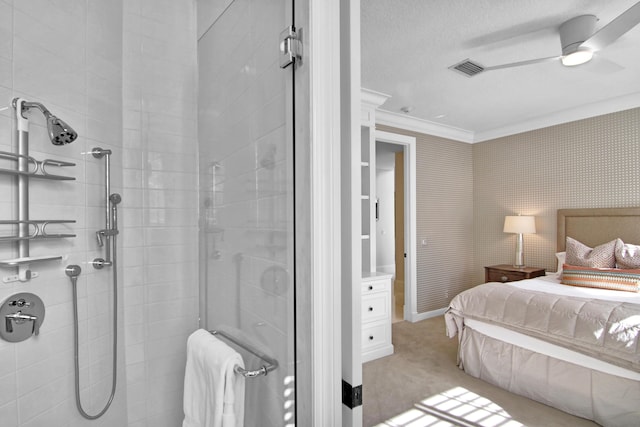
pixel 408 45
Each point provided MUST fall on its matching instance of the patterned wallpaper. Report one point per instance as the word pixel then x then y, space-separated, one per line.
pixel 464 191
pixel 444 209
pixel 591 163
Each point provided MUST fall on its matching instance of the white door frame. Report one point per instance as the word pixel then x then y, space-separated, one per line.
pixel 410 245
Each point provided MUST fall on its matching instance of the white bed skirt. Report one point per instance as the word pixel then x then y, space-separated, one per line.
pixel 607 399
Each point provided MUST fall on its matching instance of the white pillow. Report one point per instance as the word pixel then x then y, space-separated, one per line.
pixel 561 257
pixel 627 256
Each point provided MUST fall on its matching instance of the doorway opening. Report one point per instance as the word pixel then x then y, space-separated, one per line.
pixel 390 220
pixel 396 219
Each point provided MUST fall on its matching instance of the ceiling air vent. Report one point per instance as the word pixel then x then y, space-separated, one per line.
pixel 468 68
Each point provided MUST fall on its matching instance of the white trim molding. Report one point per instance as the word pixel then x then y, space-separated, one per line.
pixel 403 121
pixel 410 220
pixel 582 112
pixel 324 130
pixel 427 314
pixel 415 124
pixel 372 98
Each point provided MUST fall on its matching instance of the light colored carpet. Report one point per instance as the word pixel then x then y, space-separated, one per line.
pixel 408 387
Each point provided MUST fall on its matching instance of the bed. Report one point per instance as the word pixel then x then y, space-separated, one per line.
pixel 574 348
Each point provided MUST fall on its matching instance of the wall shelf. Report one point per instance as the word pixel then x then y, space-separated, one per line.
pixel 15 262
pixel 26 230
pixel 39 230
pixel 34 168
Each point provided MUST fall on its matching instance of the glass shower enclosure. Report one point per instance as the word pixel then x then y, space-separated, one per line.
pixel 246 172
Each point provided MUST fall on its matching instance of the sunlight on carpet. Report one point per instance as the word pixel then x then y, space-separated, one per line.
pixel 455 407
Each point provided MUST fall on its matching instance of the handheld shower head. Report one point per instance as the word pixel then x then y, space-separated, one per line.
pixel 60 133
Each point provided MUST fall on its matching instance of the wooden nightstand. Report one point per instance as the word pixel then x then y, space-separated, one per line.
pixel 508 273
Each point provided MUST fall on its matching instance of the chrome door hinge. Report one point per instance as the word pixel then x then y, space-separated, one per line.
pixel 290 46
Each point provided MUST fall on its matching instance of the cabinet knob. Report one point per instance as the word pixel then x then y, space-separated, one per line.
pixel 370 287
pixel 370 337
pixel 504 279
pixel 370 308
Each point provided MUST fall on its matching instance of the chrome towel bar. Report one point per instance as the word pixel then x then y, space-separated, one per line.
pixel 271 364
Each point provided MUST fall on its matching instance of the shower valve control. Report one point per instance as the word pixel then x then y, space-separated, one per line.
pixel 19 318
pixel 23 315
pixel 20 303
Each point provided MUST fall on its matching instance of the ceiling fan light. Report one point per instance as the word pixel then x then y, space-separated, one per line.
pixel 578 57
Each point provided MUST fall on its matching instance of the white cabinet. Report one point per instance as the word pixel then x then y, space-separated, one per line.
pixel 376 287
pixel 376 316
pixel 370 102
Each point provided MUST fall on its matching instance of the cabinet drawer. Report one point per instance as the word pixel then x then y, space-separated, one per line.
pixel 374 335
pixel 505 276
pixel 375 307
pixel 373 286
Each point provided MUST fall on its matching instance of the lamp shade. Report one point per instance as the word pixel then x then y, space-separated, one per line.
pixel 520 224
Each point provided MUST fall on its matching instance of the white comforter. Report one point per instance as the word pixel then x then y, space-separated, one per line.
pixel 600 323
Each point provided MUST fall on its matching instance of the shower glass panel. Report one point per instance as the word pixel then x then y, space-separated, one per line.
pixel 245 136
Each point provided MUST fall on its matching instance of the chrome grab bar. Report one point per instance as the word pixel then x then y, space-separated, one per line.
pixel 271 364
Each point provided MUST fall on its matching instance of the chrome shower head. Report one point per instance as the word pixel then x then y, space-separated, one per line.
pixel 115 198
pixel 60 133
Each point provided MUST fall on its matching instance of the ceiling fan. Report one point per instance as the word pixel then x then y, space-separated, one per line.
pixel 578 39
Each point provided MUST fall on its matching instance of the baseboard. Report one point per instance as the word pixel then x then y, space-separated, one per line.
pixel 416 317
pixel 387 350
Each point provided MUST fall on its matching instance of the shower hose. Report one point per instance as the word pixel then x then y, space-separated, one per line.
pixel 73 271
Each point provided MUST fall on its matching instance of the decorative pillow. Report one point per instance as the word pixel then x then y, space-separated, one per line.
pixel 561 256
pixel 602 256
pixel 627 255
pixel 601 278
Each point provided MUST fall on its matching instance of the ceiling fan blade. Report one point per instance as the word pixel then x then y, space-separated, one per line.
pixel 522 63
pixel 614 29
pixel 603 66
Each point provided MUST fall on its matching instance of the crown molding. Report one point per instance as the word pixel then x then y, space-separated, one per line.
pixel 373 98
pixel 585 111
pixel 403 121
pixel 415 124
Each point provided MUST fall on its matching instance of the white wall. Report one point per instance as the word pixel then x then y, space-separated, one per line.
pixel 385 225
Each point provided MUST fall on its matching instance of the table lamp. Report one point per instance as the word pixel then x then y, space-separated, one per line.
pixel 520 225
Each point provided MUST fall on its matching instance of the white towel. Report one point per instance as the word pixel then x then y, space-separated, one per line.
pixel 213 392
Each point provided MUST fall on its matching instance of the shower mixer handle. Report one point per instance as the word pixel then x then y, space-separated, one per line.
pixel 19 318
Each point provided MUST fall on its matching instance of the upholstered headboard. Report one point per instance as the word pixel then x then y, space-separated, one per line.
pixel 598 225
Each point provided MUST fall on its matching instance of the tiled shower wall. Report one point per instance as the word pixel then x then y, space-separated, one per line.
pixel 67 55
pixel 72 57
pixel 160 194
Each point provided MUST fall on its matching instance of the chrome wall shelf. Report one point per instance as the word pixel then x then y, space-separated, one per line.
pixel 25 167
pixel 20 261
pixel 39 230
pixel 35 168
